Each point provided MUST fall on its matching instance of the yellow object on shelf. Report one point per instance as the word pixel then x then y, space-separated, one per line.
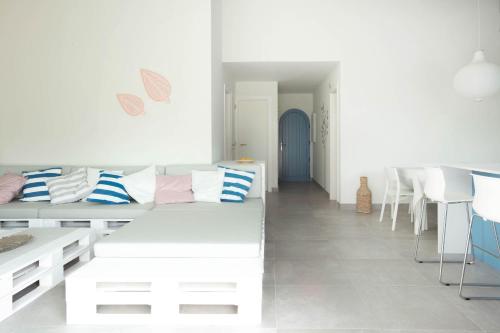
pixel 245 160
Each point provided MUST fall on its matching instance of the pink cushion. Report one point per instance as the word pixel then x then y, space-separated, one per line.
pixel 173 189
pixel 10 185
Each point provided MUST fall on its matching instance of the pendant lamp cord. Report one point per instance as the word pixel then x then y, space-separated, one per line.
pixel 478 8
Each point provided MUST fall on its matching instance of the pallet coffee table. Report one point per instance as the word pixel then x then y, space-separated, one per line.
pixel 34 268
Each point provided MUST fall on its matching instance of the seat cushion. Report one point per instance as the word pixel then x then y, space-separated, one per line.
pixel 90 210
pixel 237 183
pixel 21 210
pixel 10 185
pixel 257 167
pixel 69 188
pixel 109 189
pixel 233 233
pixel 207 185
pixel 35 188
pixel 173 189
pixel 248 204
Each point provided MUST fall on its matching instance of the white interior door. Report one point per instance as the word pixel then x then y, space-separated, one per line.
pixel 252 128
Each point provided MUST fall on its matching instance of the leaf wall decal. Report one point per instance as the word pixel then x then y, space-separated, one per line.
pixel 157 87
pixel 131 104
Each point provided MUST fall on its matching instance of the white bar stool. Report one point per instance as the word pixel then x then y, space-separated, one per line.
pixel 418 195
pixel 394 191
pixel 437 190
pixel 486 205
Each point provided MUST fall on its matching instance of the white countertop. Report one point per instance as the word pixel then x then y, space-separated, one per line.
pixel 485 167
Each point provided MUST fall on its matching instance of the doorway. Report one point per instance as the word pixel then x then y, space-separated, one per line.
pixel 294 135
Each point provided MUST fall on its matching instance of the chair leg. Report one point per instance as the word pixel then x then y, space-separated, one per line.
pixel 470 244
pixel 443 240
pixel 419 232
pixel 423 213
pixel 384 202
pixel 392 209
pixel 443 246
pixel 425 225
pixel 467 208
pixel 411 210
pixel 394 218
pixel 496 236
pixel 467 245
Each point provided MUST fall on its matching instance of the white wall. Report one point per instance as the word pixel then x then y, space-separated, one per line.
pixel 301 101
pixel 397 60
pixel 266 89
pixel 218 93
pixel 63 62
pixel 324 149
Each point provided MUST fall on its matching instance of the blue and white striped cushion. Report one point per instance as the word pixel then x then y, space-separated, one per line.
pixel 35 188
pixel 109 189
pixel 237 183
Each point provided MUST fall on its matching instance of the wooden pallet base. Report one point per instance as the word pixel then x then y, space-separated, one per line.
pixel 166 292
pixel 39 271
pixel 99 227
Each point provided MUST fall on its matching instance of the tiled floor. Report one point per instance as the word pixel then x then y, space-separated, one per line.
pixel 328 270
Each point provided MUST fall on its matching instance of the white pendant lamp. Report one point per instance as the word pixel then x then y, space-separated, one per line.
pixel 479 79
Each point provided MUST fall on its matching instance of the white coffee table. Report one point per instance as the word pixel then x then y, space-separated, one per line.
pixel 34 268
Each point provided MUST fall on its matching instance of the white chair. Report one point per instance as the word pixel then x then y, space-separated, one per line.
pixel 441 189
pixel 418 196
pixel 485 206
pixel 394 191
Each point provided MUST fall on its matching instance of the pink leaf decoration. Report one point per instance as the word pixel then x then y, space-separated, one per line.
pixel 131 104
pixel 157 87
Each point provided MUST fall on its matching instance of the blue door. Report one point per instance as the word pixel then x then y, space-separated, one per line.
pixel 294 146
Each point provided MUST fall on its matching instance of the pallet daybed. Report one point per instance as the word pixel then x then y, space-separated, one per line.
pixel 202 276
pixel 180 264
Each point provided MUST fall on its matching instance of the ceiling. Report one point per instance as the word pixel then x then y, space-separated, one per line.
pixel 292 77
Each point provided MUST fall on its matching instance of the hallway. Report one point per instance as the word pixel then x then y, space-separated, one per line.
pixel 330 268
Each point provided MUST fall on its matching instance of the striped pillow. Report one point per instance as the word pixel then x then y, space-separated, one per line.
pixel 69 188
pixel 35 188
pixel 109 189
pixel 237 183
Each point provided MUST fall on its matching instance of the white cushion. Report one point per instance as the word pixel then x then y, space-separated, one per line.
pixel 231 233
pixel 141 185
pixel 93 176
pixel 207 185
pixel 69 188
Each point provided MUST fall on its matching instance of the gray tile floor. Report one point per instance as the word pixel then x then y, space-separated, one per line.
pixel 328 270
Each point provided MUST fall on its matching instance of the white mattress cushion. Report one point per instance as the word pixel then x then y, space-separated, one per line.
pixel 90 210
pixel 248 204
pixel 234 233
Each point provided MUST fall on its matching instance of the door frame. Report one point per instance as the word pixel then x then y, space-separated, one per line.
pixel 308 122
pixel 334 145
pixel 228 125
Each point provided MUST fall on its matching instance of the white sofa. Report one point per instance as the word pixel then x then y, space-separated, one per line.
pixel 195 263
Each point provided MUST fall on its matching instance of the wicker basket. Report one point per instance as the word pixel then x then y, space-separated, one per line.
pixel 14 241
pixel 364 197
